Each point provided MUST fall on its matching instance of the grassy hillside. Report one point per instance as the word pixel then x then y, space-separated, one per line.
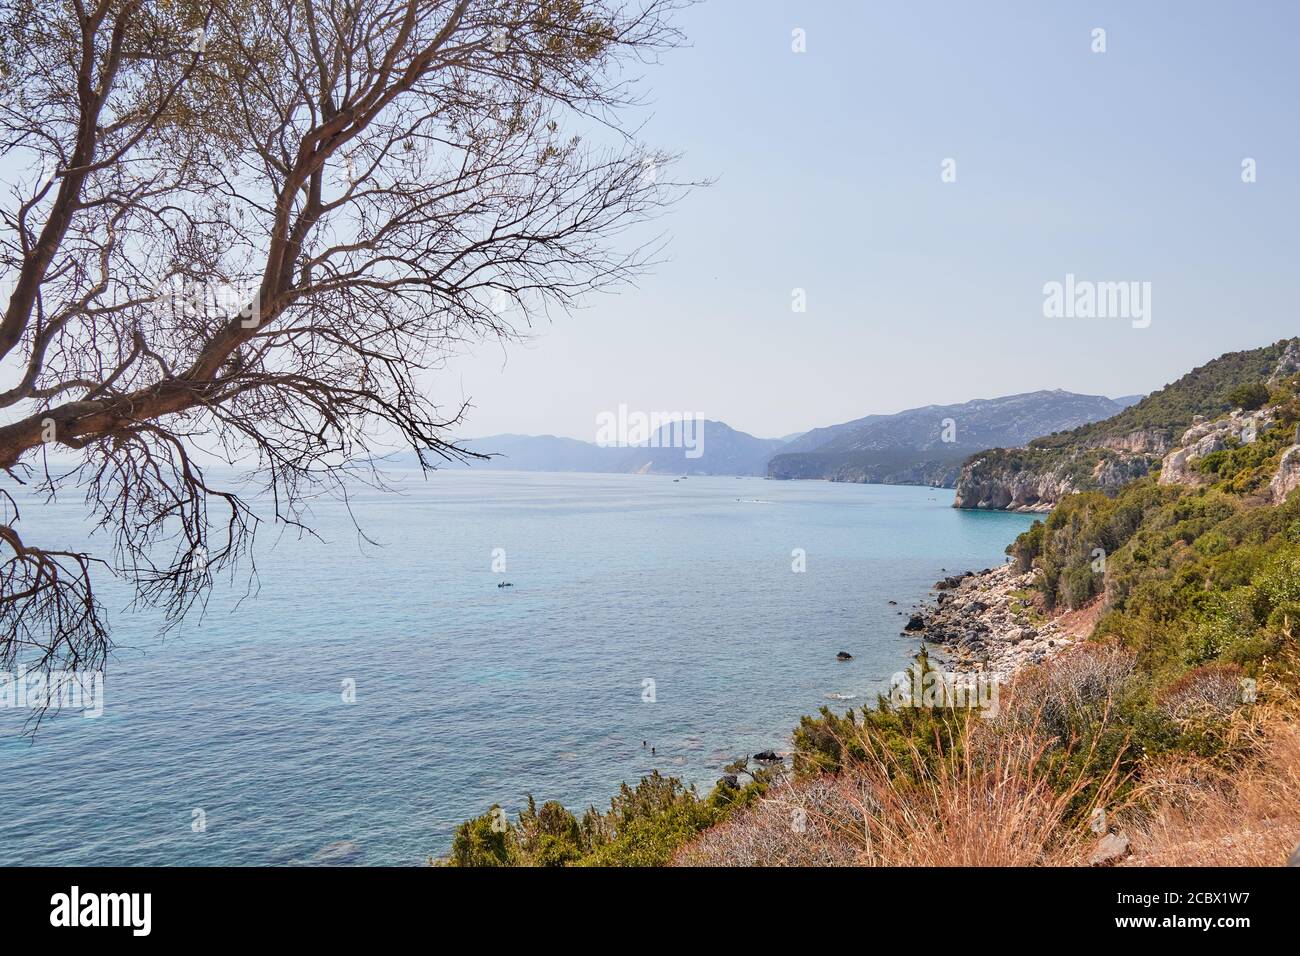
pixel 1203 391
pixel 1108 454
pixel 1191 576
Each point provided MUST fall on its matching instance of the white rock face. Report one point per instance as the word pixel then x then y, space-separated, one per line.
pixel 1289 363
pixel 1287 478
pixel 1146 441
pixel 1023 491
pixel 1205 438
pixel 1000 489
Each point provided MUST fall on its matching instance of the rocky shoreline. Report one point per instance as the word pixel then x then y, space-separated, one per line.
pixel 988 621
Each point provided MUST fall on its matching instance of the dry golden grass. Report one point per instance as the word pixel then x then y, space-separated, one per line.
pixel 1205 816
pixel 991 803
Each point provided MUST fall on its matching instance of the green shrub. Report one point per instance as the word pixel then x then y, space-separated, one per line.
pixel 1250 396
pixel 482 841
pixel 644 825
pixel 824 743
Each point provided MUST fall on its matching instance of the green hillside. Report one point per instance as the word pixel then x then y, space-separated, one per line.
pixel 1203 391
pixel 1108 454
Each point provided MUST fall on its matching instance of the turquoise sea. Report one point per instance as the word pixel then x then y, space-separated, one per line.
pixel 469 694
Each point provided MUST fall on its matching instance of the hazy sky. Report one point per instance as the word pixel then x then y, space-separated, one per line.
pixel 1117 166
pixel 1122 165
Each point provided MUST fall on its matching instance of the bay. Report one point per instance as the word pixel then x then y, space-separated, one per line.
pixel 642 609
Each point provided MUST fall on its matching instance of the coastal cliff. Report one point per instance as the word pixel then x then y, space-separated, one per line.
pixel 1105 456
pixel 1017 480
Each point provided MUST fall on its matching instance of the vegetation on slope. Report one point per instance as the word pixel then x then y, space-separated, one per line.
pixel 1210 390
pixel 644 825
pixel 1019 789
pixel 1107 454
pixel 1178 718
pixel 1191 575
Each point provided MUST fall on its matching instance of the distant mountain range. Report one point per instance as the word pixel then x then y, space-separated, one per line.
pixel 926 446
pixel 721 451
pixel 917 446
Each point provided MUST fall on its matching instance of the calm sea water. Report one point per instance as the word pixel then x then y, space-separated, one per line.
pixel 469 694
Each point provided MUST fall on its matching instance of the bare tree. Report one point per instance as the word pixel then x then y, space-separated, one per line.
pixel 249 227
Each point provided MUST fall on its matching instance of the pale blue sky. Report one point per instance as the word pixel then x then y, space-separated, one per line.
pixel 1124 165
